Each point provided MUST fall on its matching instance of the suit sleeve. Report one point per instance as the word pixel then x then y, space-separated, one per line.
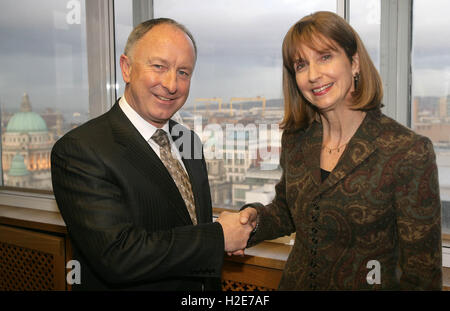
pixel 99 222
pixel 418 212
pixel 274 219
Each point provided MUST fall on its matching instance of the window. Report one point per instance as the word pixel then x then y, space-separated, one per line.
pixel 237 82
pixel 236 88
pixel 43 82
pixel 240 194
pixel 430 106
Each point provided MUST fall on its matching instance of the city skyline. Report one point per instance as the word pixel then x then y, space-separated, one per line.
pixel 239 172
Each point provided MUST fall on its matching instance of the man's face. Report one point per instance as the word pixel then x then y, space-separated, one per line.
pixel 158 73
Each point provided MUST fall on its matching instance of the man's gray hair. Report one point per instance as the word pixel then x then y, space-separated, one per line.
pixel 140 30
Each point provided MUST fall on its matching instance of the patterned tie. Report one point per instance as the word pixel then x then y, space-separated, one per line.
pixel 177 171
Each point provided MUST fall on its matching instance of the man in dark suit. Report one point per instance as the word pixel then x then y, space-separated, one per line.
pixel 132 184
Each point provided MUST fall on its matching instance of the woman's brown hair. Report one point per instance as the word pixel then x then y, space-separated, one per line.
pixel 315 31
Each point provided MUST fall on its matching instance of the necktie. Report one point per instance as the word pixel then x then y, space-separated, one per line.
pixel 177 172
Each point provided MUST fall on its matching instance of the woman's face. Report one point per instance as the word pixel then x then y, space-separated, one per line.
pixel 325 76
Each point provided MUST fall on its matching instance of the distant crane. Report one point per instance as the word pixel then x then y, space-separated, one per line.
pixel 248 99
pixel 208 101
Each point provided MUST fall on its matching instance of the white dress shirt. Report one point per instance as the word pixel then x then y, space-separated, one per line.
pixel 147 130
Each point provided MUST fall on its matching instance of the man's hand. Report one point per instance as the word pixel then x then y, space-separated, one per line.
pixel 236 234
pixel 247 216
pixel 237 221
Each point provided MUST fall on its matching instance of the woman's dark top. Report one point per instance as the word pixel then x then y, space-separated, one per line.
pixel 324 174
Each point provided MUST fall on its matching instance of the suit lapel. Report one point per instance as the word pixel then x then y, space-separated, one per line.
pixel 360 147
pixel 310 148
pixel 143 158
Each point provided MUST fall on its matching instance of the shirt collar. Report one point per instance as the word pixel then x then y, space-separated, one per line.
pixel 144 128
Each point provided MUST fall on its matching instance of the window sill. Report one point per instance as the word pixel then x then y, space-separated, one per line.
pixel 36 200
pixel 266 254
pixel 35 219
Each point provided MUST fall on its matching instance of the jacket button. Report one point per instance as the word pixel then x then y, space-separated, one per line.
pixel 316 200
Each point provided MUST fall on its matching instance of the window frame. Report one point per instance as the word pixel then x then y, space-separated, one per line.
pixel 395 58
pixel 101 81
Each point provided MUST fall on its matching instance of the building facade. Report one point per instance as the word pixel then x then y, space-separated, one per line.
pixel 27 145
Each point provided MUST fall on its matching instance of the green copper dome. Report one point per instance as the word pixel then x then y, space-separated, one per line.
pixel 26 120
pixel 18 167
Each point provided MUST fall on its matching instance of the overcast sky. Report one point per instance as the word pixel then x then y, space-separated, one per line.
pixel 239 46
pixel 42 55
pixel 239 43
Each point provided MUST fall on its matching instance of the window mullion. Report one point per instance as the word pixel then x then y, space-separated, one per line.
pixel 343 9
pixel 395 58
pixel 101 55
pixel 142 11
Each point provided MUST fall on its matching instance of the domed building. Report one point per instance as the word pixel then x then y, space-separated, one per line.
pixel 18 175
pixel 27 144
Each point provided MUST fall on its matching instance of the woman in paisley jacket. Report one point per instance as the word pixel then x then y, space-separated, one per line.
pixel 359 190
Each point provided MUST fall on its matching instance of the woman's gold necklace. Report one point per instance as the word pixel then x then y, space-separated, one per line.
pixel 343 145
pixel 337 148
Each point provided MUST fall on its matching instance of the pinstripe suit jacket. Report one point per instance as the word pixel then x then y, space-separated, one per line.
pixel 127 220
pixel 381 202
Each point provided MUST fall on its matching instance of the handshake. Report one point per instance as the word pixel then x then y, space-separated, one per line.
pixel 237 228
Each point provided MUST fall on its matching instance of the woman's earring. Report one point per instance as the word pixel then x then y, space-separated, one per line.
pixel 356 80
